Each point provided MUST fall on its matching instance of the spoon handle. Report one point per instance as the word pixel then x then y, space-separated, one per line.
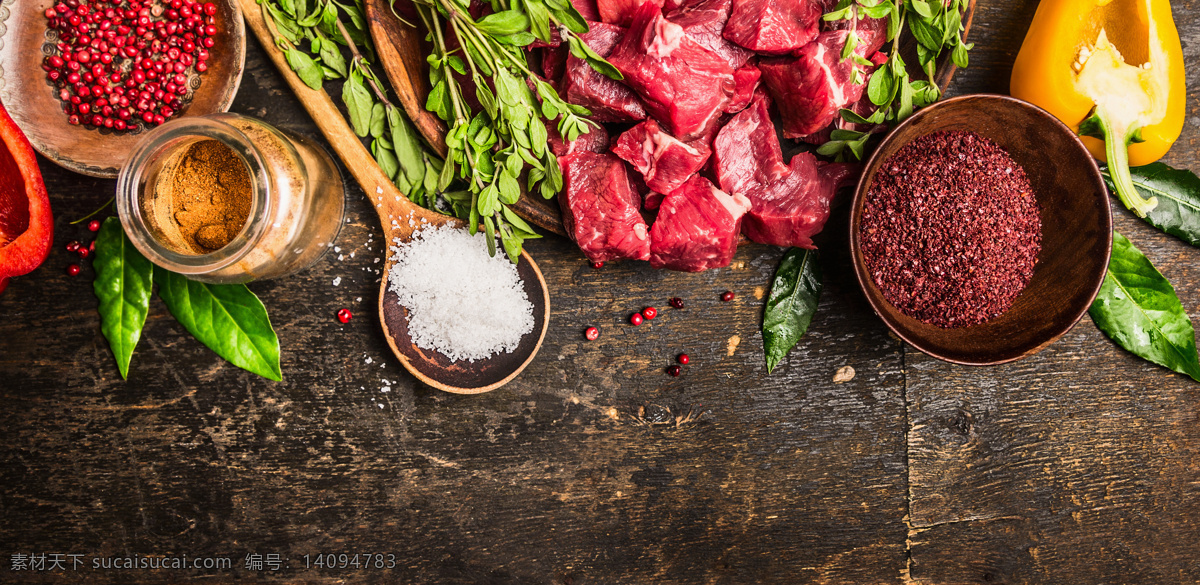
pixel 389 202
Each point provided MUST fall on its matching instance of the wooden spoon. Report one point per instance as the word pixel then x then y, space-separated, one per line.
pixel 403 61
pixel 394 211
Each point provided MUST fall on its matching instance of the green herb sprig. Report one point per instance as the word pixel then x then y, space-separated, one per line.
pixel 492 147
pixel 315 38
pixel 936 26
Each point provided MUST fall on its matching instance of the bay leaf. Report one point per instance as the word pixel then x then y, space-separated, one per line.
pixel 123 282
pixel 1178 193
pixel 1137 307
pixel 228 318
pixel 795 293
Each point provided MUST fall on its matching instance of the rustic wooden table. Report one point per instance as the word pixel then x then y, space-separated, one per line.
pixel 1078 465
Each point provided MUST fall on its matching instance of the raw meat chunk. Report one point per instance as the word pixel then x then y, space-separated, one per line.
pixel 608 99
pixel 588 9
pixel 810 88
pixel 596 140
pixel 697 227
pixel 665 163
pixel 773 26
pixel 789 212
pixel 620 12
pixel 684 85
pixel 600 209
pixel 704 21
pixel 745 81
pixel 746 152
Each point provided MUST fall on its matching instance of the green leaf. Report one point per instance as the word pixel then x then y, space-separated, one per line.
pixel 581 50
pixel 539 19
pixel 284 24
pixel 925 33
pixel 570 18
pixel 305 67
pixel 331 56
pixel 1178 192
pixel 377 120
pixel 882 10
pixel 1138 308
pixel 406 145
pixel 512 217
pixel 358 104
pixel 228 318
pixel 853 117
pixel 959 55
pixel 456 63
pixel 795 294
pixel 489 200
pixel 521 39
pixel 123 282
pixel 922 8
pixel 386 159
pixel 504 23
pixel 840 134
pixel 436 102
pixel 882 87
pixel 848 48
pixel 512 243
pixel 510 190
pixel 831 148
pixel 489 227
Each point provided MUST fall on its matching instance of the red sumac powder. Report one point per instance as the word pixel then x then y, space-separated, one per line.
pixel 950 229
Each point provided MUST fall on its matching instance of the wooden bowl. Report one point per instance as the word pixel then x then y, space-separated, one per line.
pixel 1076 230
pixel 34 104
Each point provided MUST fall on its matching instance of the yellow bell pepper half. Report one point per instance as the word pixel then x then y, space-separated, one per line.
pixel 1112 69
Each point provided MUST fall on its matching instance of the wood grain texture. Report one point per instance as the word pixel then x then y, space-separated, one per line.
pixel 574 473
pixel 1078 465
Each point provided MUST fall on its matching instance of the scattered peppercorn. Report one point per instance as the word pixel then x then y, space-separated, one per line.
pixel 636 319
pixel 92 246
pixel 676 302
pixel 344 315
pixel 675 371
pixel 83 252
pixel 649 313
pixel 73 246
pixel 94 225
pixel 73 270
pixel 728 296
pixel 592 334
pixel 683 358
pixel 597 265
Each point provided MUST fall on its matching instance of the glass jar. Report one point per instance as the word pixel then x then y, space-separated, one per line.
pixel 296 200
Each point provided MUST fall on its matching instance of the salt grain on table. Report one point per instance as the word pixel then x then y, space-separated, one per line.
pixel 461 302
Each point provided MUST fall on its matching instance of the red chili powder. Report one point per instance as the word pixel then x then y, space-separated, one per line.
pixel 950 229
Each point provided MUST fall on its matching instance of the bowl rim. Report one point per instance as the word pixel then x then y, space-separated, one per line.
pixel 865 282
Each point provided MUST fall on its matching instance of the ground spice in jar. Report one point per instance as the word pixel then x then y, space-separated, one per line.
pixel 209 192
pixel 950 229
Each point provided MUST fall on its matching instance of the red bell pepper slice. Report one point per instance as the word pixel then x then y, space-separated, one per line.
pixel 26 224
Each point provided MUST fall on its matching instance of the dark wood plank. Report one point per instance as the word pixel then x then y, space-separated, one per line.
pixel 575 473
pixel 1077 465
